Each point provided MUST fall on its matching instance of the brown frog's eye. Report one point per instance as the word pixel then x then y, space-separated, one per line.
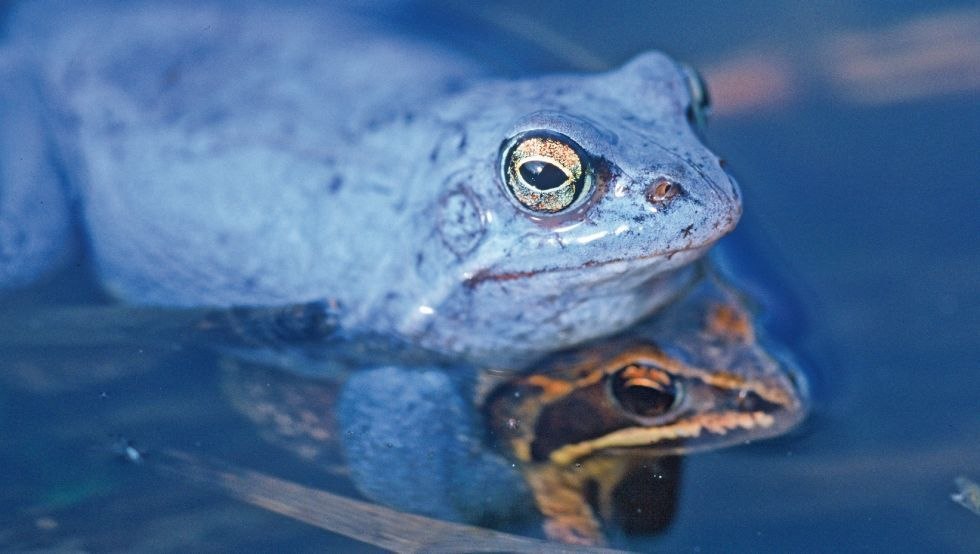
pixel 644 393
pixel 545 172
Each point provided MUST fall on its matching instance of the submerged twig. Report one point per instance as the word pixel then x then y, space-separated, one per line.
pixel 362 521
pixel 539 34
pixel 99 325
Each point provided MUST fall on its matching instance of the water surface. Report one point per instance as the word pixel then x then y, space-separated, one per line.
pixel 857 152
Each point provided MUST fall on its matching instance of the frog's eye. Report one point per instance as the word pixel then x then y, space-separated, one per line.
pixel 545 172
pixel 644 393
pixel 700 107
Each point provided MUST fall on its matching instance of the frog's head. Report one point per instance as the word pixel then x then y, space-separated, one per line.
pixel 634 399
pixel 573 206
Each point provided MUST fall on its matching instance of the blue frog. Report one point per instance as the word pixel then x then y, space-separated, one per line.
pixel 265 156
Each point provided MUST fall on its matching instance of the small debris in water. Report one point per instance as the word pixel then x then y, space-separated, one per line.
pixel 133 455
pixel 968 494
pixel 124 448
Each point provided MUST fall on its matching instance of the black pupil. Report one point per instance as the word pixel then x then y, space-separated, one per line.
pixel 642 398
pixel 542 175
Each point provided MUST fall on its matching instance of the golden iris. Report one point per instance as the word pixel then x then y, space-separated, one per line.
pixel 545 172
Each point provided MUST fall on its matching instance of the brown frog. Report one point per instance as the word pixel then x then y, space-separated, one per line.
pixel 594 422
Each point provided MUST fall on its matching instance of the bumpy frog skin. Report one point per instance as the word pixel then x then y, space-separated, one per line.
pixel 293 155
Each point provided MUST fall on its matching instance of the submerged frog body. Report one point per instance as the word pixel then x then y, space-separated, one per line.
pixel 296 155
pixel 591 436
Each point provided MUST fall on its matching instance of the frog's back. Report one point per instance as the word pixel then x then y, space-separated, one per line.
pixel 211 147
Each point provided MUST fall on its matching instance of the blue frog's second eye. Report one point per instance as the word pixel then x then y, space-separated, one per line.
pixel 700 106
pixel 545 172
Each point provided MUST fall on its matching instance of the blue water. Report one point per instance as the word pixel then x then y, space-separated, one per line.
pixel 861 203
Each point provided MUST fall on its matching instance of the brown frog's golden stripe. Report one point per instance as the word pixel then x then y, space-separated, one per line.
pixel 552 387
pixel 647 368
pixel 718 424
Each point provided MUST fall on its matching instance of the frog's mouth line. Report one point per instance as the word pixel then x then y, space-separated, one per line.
pixel 486 275
pixel 732 423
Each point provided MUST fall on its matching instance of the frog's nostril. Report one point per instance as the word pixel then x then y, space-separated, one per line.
pixel 662 191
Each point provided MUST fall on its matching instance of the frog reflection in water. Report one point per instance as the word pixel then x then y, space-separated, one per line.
pixel 264 163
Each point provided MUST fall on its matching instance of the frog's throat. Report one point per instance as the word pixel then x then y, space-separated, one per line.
pixel 638 437
pixel 489 275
